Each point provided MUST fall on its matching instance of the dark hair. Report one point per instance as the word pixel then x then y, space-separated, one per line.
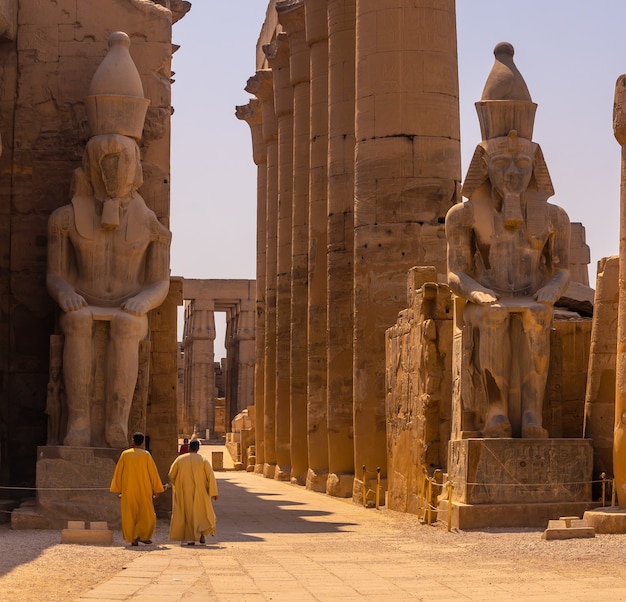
pixel 194 445
pixel 138 438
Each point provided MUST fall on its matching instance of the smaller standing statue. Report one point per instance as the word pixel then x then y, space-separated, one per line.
pixel 108 255
pixel 508 258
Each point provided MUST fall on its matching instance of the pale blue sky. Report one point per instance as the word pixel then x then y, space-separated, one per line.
pixel 570 53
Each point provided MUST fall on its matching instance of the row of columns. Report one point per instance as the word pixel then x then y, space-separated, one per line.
pixel 355 134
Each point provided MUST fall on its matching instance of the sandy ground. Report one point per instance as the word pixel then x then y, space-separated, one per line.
pixel 35 565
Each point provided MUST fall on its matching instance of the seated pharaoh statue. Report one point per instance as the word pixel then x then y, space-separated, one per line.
pixel 507 260
pixel 108 255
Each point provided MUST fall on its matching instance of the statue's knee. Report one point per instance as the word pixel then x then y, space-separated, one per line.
pixel 130 327
pixel 77 323
pixel 495 316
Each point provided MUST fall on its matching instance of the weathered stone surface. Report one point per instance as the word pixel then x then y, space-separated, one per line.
pixel 607 520
pixel 507 471
pixel 73 484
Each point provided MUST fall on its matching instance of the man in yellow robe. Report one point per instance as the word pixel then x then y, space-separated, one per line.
pixel 194 485
pixel 136 481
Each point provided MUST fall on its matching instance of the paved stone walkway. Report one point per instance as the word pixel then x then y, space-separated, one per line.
pixel 280 542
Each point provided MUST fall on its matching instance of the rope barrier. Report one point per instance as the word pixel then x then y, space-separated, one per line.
pixel 54 488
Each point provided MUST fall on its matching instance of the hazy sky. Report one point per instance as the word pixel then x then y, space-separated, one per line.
pixel 570 53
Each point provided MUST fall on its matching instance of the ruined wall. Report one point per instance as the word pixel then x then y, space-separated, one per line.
pixel 46 69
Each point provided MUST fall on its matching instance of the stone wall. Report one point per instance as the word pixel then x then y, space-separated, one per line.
pixel 50 53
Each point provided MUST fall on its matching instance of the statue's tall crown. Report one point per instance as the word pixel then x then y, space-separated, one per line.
pixel 506 103
pixel 115 103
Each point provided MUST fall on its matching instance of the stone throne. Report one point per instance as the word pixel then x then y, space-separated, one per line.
pixel 508 266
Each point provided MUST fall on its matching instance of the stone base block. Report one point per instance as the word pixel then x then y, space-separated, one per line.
pixel 269 470
pixel 217 460
pixel 316 481
pixel 340 485
pixel 27 517
pixel 570 527
pixel 87 536
pixel 520 471
pixel 73 484
pixel 607 520
pixel 499 516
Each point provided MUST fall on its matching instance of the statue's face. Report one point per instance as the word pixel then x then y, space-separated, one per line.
pixel 510 172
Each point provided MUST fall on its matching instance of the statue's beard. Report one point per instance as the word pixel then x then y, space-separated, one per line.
pixel 512 210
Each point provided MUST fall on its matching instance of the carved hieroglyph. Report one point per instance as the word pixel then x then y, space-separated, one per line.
pixel 108 255
pixel 508 259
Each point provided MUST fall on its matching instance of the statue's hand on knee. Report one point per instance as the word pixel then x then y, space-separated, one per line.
pixel 483 297
pixel 137 306
pixel 71 301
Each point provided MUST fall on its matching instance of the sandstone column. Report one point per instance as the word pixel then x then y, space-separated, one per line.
pixel 199 344
pixel 261 85
pixel 619 435
pixel 341 49
pixel 278 57
pixel 407 171
pixel 253 115
pixel 245 368
pixel 317 38
pixel 291 16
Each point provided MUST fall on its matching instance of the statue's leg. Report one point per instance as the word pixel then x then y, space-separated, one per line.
pixel 121 373
pixel 494 358
pixel 78 371
pixel 536 322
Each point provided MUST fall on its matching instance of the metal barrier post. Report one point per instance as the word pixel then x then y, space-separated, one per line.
pixel 377 488
pixel 449 506
pixel 430 497
pixel 364 489
pixel 603 477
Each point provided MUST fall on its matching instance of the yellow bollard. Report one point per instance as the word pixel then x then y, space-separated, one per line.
pixel 430 497
pixel 449 506
pixel 364 489
pixel 377 488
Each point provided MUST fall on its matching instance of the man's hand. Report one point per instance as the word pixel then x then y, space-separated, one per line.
pixel 214 498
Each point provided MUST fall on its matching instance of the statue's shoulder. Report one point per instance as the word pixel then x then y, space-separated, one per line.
pixel 558 215
pixel 61 218
pixel 158 231
pixel 460 215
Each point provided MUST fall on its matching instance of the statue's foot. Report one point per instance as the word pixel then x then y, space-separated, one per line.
pixel 76 438
pixel 497 426
pixel 534 431
pixel 116 437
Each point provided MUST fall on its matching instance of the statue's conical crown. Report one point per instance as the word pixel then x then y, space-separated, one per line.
pixel 115 103
pixel 506 103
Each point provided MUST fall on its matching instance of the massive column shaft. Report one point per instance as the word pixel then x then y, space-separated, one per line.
pixel 317 38
pixel 262 86
pixel 341 49
pixel 253 115
pixel 199 355
pixel 278 57
pixel 619 435
pixel 407 170
pixel 291 16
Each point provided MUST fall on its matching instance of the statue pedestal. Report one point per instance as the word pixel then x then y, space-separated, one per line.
pixel 517 482
pixel 73 484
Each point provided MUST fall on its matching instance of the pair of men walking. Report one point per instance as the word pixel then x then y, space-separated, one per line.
pixel 137 482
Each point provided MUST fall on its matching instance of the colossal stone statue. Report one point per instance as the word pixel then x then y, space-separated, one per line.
pixel 508 258
pixel 108 255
